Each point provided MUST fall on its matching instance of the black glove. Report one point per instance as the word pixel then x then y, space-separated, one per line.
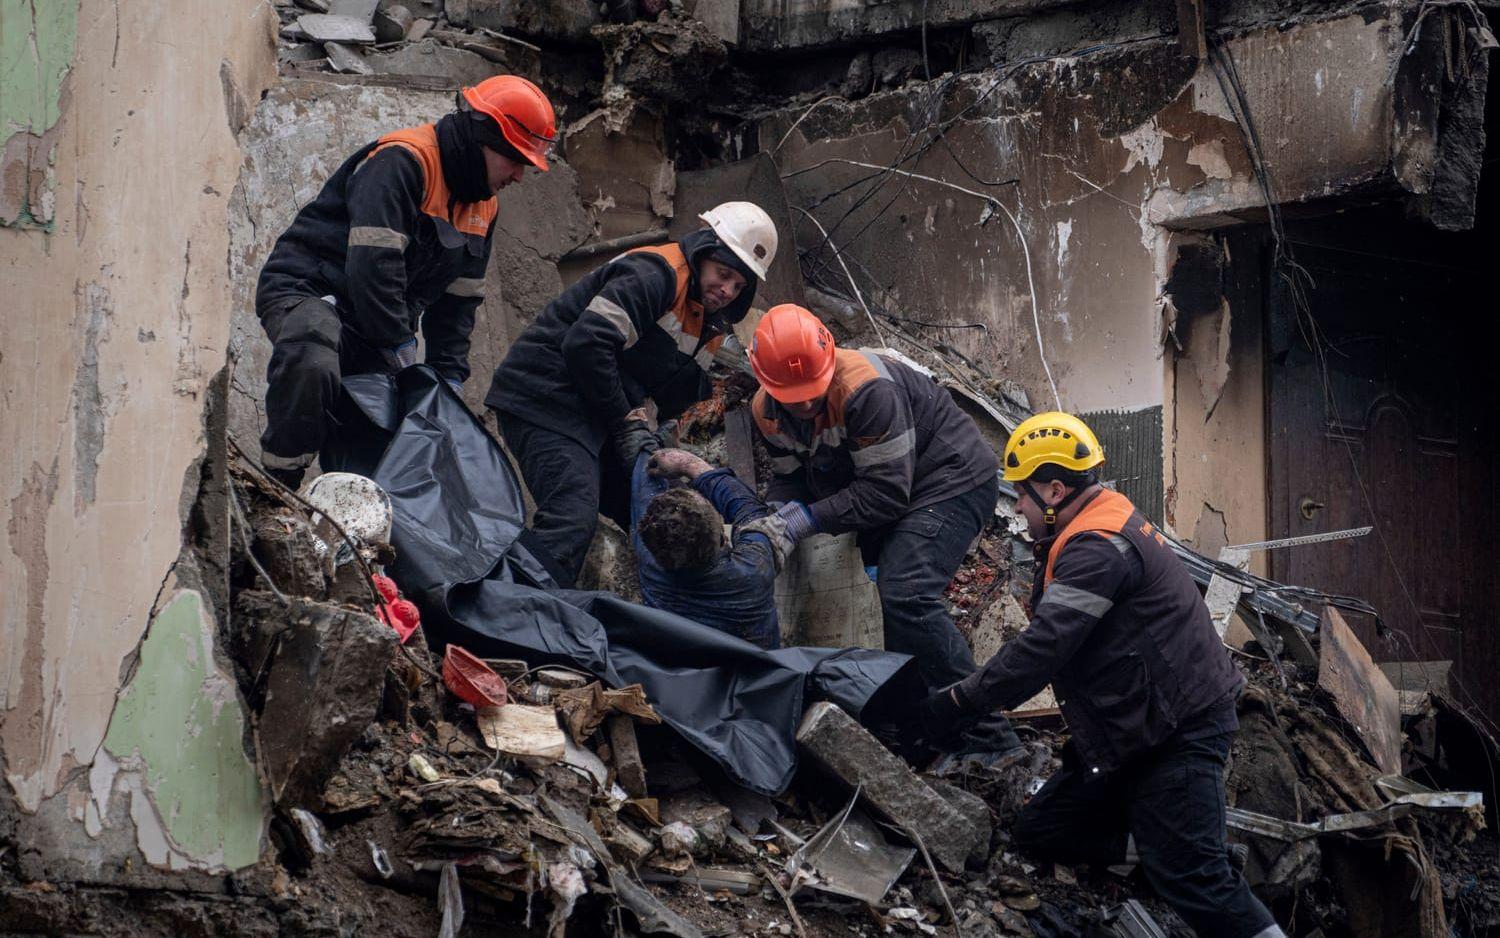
pixel 944 716
pixel 630 438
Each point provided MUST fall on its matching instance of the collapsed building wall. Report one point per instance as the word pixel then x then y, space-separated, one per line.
pixel 123 742
pixel 1071 189
pixel 111 728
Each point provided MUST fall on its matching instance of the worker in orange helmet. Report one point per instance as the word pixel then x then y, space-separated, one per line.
pixel 399 236
pixel 861 442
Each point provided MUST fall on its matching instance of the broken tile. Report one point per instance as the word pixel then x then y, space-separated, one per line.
pixel 418 30
pixel 345 59
pixel 840 745
pixel 325 27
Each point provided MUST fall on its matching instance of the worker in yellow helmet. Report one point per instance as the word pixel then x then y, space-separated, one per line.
pixel 1119 630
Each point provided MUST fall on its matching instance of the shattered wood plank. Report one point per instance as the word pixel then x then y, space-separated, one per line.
pixel 840 745
pixel 709 879
pixel 739 446
pixel 1360 691
pixel 630 772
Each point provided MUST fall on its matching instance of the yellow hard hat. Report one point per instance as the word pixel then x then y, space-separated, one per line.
pixel 1055 439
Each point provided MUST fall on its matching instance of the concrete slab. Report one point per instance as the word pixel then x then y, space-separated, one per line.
pixel 838 744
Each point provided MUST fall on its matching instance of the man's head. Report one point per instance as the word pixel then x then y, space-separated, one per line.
pixel 682 530
pixel 721 279
pixel 1052 458
pixel 792 356
pixel 514 123
pixel 747 246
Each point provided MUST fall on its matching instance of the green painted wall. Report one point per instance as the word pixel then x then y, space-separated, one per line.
pixel 182 717
pixel 36 51
pixel 36 48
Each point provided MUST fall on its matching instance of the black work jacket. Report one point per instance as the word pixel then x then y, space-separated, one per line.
pixel 1121 632
pixel 628 330
pixel 393 248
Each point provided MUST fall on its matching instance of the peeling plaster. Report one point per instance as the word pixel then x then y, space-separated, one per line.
pixel 36 49
pixel 178 735
pixel 27 532
pixel 95 308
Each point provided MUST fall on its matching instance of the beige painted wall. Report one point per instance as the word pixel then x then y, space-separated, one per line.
pixel 114 323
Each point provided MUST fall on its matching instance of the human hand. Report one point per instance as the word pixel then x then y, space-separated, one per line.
pixel 677 464
pixel 944 716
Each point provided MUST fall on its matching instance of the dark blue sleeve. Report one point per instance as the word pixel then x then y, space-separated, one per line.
pixel 737 504
pixel 733 499
pixel 643 487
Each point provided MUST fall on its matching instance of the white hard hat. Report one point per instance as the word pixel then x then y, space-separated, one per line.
pixel 747 230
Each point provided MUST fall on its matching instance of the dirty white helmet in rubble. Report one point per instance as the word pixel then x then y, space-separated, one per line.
pixel 747 230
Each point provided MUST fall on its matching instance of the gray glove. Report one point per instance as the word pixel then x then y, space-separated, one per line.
pixel 784 528
pixel 630 438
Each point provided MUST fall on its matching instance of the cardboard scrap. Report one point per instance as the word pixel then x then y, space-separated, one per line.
pixel 584 708
pixel 526 732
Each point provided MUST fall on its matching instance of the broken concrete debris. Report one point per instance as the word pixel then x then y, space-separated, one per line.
pixel 388 780
pixel 837 743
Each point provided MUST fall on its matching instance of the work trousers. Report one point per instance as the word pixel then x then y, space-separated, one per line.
pixel 567 481
pixel 310 352
pixel 917 557
pixel 1171 801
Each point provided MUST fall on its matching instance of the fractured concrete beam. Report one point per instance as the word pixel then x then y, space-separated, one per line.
pixel 836 741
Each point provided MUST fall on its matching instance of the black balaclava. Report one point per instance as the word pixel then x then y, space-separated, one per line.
pixel 732 260
pixel 462 156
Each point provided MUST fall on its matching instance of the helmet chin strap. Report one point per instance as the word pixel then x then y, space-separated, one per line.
pixel 1049 512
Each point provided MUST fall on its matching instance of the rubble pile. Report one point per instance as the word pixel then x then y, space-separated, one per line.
pixel 413 39
pixel 504 794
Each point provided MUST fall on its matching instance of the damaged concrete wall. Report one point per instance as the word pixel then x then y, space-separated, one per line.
pixel 301 132
pixel 1110 153
pixel 1215 470
pixel 117 300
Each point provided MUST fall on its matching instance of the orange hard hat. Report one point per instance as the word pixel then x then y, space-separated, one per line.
pixel 524 114
pixel 792 354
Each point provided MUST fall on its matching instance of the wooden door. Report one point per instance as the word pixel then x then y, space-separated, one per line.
pixel 1393 425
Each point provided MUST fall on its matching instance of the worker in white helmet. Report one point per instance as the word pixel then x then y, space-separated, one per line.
pixel 643 326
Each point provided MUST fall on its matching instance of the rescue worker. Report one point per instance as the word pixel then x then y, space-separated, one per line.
pixel 860 442
pixel 687 565
pixel 1119 630
pixel 397 240
pixel 645 325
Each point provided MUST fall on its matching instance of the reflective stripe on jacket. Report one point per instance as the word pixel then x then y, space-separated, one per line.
pixel 888 440
pixel 1120 631
pixel 383 239
pixel 628 330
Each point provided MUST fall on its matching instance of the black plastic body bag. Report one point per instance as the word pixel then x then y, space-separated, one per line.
pixel 460 554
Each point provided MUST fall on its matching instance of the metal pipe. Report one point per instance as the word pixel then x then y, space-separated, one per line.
pixel 622 243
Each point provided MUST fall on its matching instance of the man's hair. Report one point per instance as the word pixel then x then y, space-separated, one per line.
pixel 1072 478
pixel 682 530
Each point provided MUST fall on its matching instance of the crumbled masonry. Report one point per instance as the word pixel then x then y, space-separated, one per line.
pixel 1215 231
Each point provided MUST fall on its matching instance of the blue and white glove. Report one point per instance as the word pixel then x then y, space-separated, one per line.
pixel 401 356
